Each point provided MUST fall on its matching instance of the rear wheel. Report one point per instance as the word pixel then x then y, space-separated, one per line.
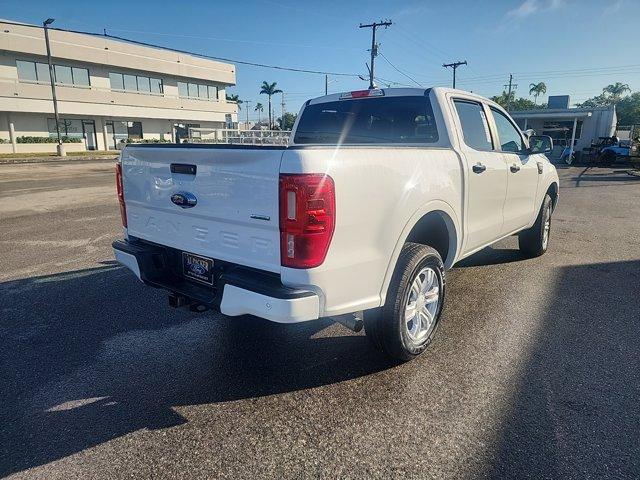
pixel 534 241
pixel 405 325
pixel 606 159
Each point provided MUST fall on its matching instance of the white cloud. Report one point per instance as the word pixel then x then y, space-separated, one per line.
pixel 613 8
pixel 526 8
pixel 531 7
pixel 412 10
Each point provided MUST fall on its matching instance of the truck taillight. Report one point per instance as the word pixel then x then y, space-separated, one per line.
pixel 307 218
pixel 120 191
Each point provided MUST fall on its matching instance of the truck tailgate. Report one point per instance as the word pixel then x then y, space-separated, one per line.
pixel 236 214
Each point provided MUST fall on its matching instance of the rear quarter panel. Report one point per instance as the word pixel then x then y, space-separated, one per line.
pixel 380 191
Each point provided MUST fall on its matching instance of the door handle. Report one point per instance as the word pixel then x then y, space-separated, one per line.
pixel 514 168
pixel 478 168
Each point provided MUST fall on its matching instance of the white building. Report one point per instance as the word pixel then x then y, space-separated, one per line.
pixel 584 125
pixel 108 91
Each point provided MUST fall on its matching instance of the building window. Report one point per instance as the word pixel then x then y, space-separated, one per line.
pixel 42 70
pixel 130 83
pixel 64 75
pixel 116 81
pixel 143 84
pixel 197 90
pixel 27 71
pixel 68 127
pixel 135 83
pixel 80 76
pixel 134 130
pixel 156 85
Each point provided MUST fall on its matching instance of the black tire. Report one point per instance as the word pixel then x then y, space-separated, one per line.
pixel 386 326
pixel 532 241
pixel 607 159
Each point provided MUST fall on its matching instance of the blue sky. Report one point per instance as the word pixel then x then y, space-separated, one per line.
pixel 575 46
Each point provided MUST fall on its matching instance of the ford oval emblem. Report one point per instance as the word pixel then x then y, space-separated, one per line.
pixel 184 199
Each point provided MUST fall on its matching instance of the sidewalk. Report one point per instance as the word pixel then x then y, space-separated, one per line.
pixel 11 159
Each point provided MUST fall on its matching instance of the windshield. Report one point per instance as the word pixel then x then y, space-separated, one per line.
pixel 407 119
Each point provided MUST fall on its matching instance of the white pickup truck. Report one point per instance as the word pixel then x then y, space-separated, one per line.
pixel 377 193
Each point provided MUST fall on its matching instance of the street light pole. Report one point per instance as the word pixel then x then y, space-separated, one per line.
pixel 247 103
pixel 46 24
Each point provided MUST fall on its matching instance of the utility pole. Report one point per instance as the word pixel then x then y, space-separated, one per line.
pixel 374 46
pixel 282 116
pixel 247 103
pixel 455 66
pixel 326 84
pixel 511 86
pixel 60 147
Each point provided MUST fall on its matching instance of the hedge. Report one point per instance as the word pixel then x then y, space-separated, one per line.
pixel 30 139
pixel 146 140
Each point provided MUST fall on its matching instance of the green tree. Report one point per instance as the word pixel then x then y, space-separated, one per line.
pixel 259 108
pixel 537 89
pixel 287 120
pixel 616 91
pixel 516 103
pixel 601 100
pixel 269 89
pixel 611 95
pixel 235 99
pixel 628 110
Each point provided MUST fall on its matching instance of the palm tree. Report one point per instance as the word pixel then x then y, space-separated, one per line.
pixel 259 108
pixel 537 89
pixel 235 99
pixel 269 89
pixel 616 91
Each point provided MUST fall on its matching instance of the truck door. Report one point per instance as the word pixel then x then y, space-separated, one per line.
pixel 522 174
pixel 486 175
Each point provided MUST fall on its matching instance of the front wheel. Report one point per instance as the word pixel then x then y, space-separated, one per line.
pixel 534 241
pixel 405 325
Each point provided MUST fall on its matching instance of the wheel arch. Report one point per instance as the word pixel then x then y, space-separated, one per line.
pixel 552 191
pixel 435 225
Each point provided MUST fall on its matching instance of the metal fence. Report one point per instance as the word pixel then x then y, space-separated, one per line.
pixel 239 137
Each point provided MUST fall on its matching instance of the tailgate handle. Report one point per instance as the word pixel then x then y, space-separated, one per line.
pixel 184 168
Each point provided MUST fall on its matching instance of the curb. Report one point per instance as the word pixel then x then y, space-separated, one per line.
pixel 17 161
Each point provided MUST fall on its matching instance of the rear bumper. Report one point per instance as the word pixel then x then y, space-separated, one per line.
pixel 237 291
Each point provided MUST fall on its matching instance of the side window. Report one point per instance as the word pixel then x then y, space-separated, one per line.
pixel 475 128
pixel 510 139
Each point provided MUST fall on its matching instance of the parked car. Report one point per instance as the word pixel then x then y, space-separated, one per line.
pixel 378 193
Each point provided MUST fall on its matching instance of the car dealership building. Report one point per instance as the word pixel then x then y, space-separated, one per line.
pixel 109 91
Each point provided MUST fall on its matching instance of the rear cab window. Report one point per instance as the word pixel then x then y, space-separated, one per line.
pixel 474 125
pixel 379 120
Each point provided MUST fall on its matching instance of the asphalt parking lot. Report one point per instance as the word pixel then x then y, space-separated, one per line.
pixel 535 372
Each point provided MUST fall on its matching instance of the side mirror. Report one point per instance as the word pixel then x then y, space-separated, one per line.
pixel 540 144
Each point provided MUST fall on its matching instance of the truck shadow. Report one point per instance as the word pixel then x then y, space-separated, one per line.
pixel 92 355
pixel 492 256
pixel 576 411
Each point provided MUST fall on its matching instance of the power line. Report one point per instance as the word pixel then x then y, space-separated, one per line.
pixel 187 52
pixel 398 70
pixel 233 40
